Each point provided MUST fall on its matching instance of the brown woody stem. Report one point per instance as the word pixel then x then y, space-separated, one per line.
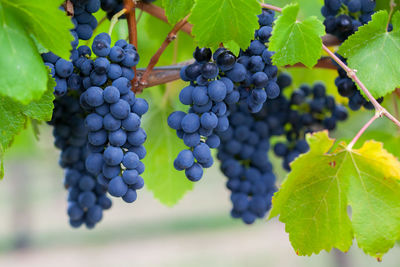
pixel 153 61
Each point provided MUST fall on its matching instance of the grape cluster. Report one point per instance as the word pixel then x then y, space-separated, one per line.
pixel 254 73
pixel 244 146
pixel 244 160
pixel 115 136
pixel 114 6
pixel 344 17
pixel 216 81
pixel 86 197
pixel 306 110
pixel 63 70
pixel 208 95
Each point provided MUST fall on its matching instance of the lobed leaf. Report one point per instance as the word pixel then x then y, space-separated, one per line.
pixel 221 21
pixel 294 41
pixel 44 20
pixel 313 201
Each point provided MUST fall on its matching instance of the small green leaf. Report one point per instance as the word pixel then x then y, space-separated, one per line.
pixel 13 115
pixel 295 41
pixel 42 109
pixel 23 76
pixel 12 120
pixel 50 25
pixel 375 54
pixel 167 184
pixel 313 201
pixel 220 21
pixel 176 10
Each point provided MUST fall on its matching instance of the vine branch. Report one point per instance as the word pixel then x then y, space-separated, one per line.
pixel 170 73
pixel 130 6
pixel 363 129
pixel 153 61
pixel 159 13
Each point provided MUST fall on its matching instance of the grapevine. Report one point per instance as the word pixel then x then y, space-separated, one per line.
pixel 219 88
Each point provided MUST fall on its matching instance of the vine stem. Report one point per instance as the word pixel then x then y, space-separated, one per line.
pixel 114 20
pixel 392 7
pixel 379 110
pixel 352 74
pixel 153 61
pixel 159 13
pixel 130 6
pixel 363 129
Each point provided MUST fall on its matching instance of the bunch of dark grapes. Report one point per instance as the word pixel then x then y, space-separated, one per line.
pixel 207 95
pixel 115 136
pixel 244 146
pixel 216 81
pixel 344 17
pixel 112 7
pixel 244 161
pixel 86 197
pixel 63 70
pixel 306 110
pixel 254 74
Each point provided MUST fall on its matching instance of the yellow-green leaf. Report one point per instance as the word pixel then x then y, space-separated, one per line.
pixel 313 201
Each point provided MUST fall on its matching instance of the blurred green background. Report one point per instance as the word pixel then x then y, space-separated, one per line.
pixel 198 231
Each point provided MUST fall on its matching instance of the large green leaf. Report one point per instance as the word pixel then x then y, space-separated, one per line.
pixel 313 201
pixel 177 9
pixel 13 115
pixel 50 25
pixel 23 76
pixel 221 21
pixel 167 184
pixel 375 54
pixel 295 41
pixel 42 109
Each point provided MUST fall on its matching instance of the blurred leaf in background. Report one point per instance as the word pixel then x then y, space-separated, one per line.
pixel 167 184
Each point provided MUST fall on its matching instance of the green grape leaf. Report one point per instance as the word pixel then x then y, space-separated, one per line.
pixel 44 20
pixel 12 120
pixel 167 184
pixel 23 75
pixel 14 115
pixel 375 54
pixel 295 41
pixel 313 201
pixel 42 109
pixel 220 21
pixel 176 10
